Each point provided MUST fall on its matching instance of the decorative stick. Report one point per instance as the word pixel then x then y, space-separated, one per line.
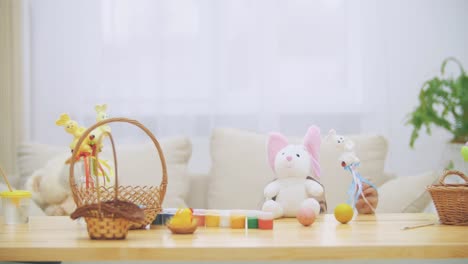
pixel 6 179
pixel 416 226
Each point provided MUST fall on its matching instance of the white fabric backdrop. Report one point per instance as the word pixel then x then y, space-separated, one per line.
pixel 184 67
pixel 187 66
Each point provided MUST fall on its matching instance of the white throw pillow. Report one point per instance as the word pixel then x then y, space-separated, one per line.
pixel 406 194
pixel 240 168
pixel 139 164
pixel 32 156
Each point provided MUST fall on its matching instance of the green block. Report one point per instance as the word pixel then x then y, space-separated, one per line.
pixel 252 222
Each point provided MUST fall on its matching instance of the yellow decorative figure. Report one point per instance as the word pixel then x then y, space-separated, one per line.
pixel 183 222
pixel 91 145
pixel 97 134
pixel 101 114
pixel 72 127
pixel 96 137
pixel 85 149
pixel 344 213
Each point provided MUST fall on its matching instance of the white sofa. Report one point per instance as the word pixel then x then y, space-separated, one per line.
pixel 238 171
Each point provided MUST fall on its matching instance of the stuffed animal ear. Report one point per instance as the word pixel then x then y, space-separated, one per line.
pixel 276 142
pixel 312 143
pixel 331 134
pixel 63 119
pixel 100 108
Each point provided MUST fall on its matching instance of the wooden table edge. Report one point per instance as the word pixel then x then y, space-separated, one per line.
pixel 226 254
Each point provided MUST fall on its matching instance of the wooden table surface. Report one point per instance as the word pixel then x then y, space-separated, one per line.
pixel 367 236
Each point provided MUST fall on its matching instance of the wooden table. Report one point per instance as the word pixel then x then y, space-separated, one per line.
pixel 367 236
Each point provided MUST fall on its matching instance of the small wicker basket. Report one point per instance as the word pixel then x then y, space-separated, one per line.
pixel 109 220
pixel 451 200
pixel 150 198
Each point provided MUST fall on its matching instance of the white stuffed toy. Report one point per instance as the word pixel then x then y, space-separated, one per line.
pixel 297 170
pixel 350 162
pixel 50 187
pixel 348 156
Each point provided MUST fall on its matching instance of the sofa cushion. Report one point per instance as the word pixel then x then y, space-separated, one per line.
pixel 139 164
pixel 240 168
pixel 406 194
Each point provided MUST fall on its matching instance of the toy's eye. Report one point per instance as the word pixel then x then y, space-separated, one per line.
pixel 282 153
pixel 297 155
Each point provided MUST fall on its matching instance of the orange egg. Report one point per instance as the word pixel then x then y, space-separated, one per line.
pixel 306 216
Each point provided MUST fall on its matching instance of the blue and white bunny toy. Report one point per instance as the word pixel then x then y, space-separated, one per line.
pixel 350 162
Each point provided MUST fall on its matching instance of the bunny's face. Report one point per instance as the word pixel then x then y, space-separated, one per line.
pixel 339 141
pixel 101 112
pixel 292 161
pixel 289 160
pixel 71 126
pixel 101 116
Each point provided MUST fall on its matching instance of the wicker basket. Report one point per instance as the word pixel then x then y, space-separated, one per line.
pixel 150 198
pixel 109 220
pixel 451 200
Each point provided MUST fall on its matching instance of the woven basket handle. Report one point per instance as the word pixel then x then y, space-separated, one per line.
pixel 86 133
pixel 452 172
pixel 114 154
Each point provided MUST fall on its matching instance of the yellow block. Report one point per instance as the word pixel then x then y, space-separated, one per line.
pixel 212 220
pixel 237 221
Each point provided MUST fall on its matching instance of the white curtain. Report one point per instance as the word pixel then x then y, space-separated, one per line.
pixel 186 66
pixel 11 83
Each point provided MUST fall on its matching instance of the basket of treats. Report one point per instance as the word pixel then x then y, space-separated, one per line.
pixel 107 209
pixel 451 200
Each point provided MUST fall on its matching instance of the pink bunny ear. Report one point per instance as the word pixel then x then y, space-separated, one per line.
pixel 312 143
pixel 276 142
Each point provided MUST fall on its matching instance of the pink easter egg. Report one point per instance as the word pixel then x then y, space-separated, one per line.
pixel 306 216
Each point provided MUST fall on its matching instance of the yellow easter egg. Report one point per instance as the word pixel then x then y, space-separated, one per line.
pixel 343 213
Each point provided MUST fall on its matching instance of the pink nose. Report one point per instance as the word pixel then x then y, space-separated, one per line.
pixel 289 158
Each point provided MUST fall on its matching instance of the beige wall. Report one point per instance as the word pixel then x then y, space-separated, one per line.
pixel 11 85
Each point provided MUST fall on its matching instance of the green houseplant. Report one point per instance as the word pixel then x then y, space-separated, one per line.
pixel 443 102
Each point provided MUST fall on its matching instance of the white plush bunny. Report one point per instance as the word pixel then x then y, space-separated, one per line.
pixel 298 171
pixel 50 187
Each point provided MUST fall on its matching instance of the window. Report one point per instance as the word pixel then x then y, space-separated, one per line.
pixel 187 66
